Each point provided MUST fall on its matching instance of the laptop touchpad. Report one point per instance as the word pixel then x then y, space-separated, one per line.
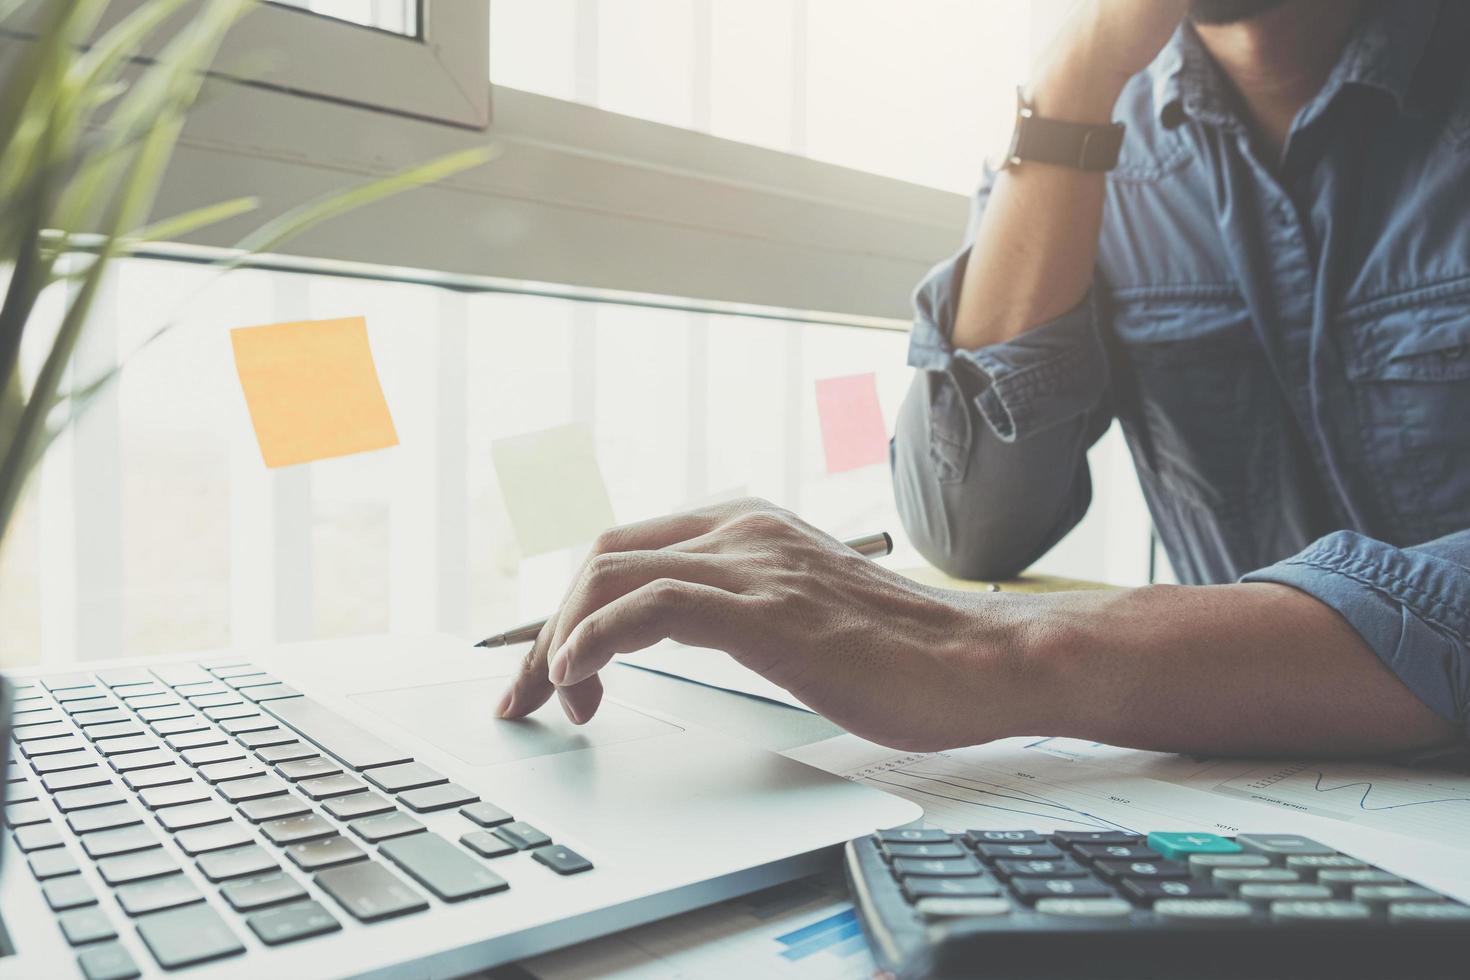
pixel 459 718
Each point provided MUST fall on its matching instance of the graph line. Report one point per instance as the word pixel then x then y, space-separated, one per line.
pixel 1368 788
pixel 1036 798
pixel 1092 821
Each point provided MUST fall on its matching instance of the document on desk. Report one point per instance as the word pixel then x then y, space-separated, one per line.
pixel 1410 821
pixel 713 668
pixel 803 930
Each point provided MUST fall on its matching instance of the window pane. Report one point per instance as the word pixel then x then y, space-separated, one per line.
pixel 395 16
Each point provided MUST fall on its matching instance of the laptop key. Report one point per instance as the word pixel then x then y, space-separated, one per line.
pixel 142 897
pixel 270 692
pixel 104 818
pixel 176 794
pixel 177 818
pixel 39 733
pixel 52 863
pixel 429 799
pixel 285 925
pixel 369 891
pixel 170 710
pixel 160 776
pixel 441 867
pixel 65 682
pixel 487 814
pixel 272 808
pixel 237 862
pixel 25 814
pixel 178 726
pixel 20 790
pixel 357 805
pixel 116 729
pixel 126 840
pixel 101 719
pixel 521 835
pixel 230 712
pixel 385 826
pixel 258 893
pixel 328 852
pixel 70 892
pixel 107 962
pixel 80 693
pixel 562 860
pixel 355 747
pixel 406 775
pixel 308 768
pixel 252 788
pixel 138 866
pixel 194 740
pixel 110 747
pixel 48 764
pixel 250 724
pixel 289 751
pixel 124 676
pixel 226 671
pixel 52 746
pixel 75 779
pixel 252 678
pixel 295 829
pixel 326 787
pixel 188 936
pixel 216 837
pixel 87 925
pixel 176 675
pixel 133 761
pixel 220 772
pixel 211 754
pixel 486 844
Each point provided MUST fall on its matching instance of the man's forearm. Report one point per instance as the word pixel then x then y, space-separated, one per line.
pixel 1257 668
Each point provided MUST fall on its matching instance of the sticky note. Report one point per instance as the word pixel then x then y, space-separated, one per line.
pixel 312 390
pixel 853 434
pixel 553 488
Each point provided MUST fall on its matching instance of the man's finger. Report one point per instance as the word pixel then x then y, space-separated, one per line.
pixel 580 701
pixel 531 687
pixel 699 615
pixel 608 577
pixel 669 530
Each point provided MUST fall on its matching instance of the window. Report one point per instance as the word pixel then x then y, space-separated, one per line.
pixel 394 16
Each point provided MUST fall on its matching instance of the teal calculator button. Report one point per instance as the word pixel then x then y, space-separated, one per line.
pixel 1181 846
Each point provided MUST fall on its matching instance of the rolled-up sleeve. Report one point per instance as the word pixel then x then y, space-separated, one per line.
pixel 990 450
pixel 1410 605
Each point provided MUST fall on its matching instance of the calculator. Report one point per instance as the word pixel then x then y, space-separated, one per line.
pixel 1020 905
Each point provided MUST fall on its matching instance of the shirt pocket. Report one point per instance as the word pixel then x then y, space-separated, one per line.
pixel 1409 370
pixel 1202 401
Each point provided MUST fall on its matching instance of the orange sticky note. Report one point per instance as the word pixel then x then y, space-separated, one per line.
pixel 312 390
pixel 853 434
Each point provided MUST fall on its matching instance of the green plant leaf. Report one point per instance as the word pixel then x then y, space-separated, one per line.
pixel 180 225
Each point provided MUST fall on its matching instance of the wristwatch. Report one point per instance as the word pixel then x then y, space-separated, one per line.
pixel 1082 146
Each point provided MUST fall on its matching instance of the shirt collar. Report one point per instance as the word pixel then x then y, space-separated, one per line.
pixel 1384 52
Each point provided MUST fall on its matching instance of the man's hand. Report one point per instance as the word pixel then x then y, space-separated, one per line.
pixel 884 657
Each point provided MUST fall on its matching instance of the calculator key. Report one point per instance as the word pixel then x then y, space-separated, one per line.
pixel 216 837
pixel 237 862
pixel 175 794
pixel 1044 852
pixel 37 837
pixel 308 768
pixel 52 863
pixel 87 925
pixel 177 818
pixel 285 925
pixel 522 835
pixel 357 805
pixel 449 872
pixel 162 776
pixel 486 844
pixel 1178 847
pixel 924 850
pixel 1281 846
pixel 327 852
pixel 273 808
pixel 251 788
pixel 429 799
pixel 122 869
pixel 917 888
pixel 1300 892
pixel 490 815
pixel 1378 896
pixel 326 787
pixel 369 891
pixel 1416 913
pixel 107 962
pixel 914 835
pixel 70 892
pixel 1074 837
pixel 1117 870
pixel 1032 889
pixel 1342 883
pixel 142 897
pixel 406 775
pixel 1147 892
pixel 257 893
pixel 1116 852
pixel 188 936
pixel 961 908
pixel 1004 837
pixel 1310 865
pixel 293 830
pixel 291 751
pixel 562 860
pixel 1084 908
pixel 1308 912
pixel 937 867
pixel 1064 868
pixel 123 841
pixel 1233 878
pixel 1197 909
pixel 1205 865
pixel 385 826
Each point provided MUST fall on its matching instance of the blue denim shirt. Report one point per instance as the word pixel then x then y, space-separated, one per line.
pixel 1284 340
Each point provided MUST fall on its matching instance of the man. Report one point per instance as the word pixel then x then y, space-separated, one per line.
pixel 1270 288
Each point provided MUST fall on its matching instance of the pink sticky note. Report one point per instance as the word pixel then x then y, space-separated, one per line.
pixel 853 434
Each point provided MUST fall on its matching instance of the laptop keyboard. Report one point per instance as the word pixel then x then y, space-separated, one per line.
pixel 260 787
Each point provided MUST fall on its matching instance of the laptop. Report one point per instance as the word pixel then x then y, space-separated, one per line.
pixel 353 808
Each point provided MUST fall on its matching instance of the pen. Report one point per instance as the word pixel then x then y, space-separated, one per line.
pixel 869 545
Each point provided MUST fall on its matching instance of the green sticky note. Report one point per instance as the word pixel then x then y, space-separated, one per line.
pixel 553 488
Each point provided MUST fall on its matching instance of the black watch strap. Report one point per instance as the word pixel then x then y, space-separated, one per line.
pixel 1082 146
